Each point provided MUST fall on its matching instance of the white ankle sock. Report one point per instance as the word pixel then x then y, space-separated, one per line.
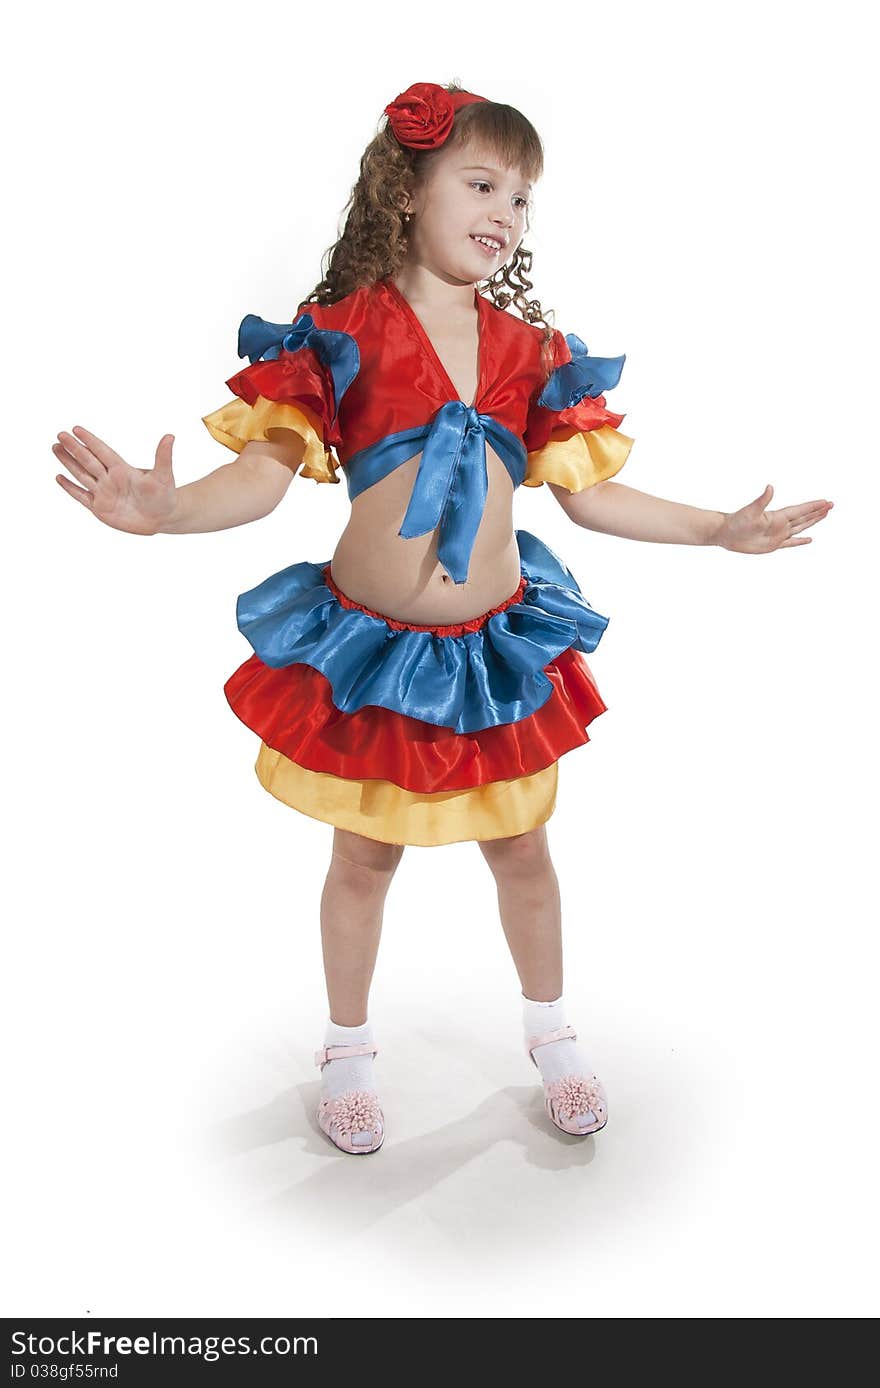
pixel 348 1072
pixel 557 1058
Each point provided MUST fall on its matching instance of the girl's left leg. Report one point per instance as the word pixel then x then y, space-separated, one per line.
pixel 529 904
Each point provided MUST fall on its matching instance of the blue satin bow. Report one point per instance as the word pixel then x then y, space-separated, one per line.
pixel 338 351
pixel 452 480
pixel 583 375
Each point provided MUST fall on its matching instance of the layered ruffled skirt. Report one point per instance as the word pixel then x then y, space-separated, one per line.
pixel 417 734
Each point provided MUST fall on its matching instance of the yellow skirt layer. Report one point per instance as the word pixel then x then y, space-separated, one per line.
pixel 385 811
pixel 578 460
pixel 238 423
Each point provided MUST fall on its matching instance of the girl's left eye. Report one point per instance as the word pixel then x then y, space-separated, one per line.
pixel 480 183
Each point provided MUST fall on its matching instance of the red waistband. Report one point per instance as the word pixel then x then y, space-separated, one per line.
pixel 458 629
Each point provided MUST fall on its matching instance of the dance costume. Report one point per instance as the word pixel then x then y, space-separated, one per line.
pixel 406 733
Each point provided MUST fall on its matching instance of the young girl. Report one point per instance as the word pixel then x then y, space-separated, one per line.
pixel 420 686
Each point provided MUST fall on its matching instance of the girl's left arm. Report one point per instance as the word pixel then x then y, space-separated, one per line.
pixel 615 509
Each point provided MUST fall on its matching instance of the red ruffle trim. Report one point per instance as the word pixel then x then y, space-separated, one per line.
pixel 292 378
pixel 590 413
pixel 457 630
pixel 292 710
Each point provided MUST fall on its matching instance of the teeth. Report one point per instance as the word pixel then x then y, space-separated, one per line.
pixel 493 245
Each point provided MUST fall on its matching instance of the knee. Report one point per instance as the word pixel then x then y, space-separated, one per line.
pixel 523 855
pixel 362 861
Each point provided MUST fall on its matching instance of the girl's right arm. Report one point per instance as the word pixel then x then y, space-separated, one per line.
pixel 146 501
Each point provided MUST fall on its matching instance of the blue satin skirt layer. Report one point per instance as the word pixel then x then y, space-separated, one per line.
pixel 478 680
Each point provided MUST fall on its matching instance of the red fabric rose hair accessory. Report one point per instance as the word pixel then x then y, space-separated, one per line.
pixel 422 116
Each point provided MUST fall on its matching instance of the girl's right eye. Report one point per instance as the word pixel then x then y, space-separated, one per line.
pixel 481 183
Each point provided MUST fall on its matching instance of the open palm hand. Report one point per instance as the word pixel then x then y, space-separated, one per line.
pixel 137 500
pixel 755 530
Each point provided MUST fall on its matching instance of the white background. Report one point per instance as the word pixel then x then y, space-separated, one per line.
pixel 704 209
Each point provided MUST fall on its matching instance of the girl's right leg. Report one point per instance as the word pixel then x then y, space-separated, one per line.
pixel 352 906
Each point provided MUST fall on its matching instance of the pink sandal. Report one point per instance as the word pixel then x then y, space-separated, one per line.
pixel 576 1103
pixel 353 1121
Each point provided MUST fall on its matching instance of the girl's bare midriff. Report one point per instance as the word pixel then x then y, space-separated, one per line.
pixel 377 568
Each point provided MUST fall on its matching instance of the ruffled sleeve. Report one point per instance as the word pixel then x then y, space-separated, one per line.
pixel 298 374
pixel 571 437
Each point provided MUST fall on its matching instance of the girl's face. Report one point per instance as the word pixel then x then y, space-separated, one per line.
pixel 467 195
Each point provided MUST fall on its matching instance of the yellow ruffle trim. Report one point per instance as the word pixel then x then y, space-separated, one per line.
pixel 238 423
pixel 578 460
pixel 384 811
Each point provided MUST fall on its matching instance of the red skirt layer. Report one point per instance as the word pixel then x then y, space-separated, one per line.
pixel 292 710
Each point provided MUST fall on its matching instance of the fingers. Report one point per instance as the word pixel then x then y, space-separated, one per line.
pixel 90 462
pixel 101 450
pixel 95 446
pixel 78 469
pixel 805 508
pixel 786 544
pixel 810 518
pixel 85 498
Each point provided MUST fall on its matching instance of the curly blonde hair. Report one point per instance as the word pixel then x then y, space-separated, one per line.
pixel 374 241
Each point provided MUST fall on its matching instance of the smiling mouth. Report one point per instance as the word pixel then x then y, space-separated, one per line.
pixel 491 249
